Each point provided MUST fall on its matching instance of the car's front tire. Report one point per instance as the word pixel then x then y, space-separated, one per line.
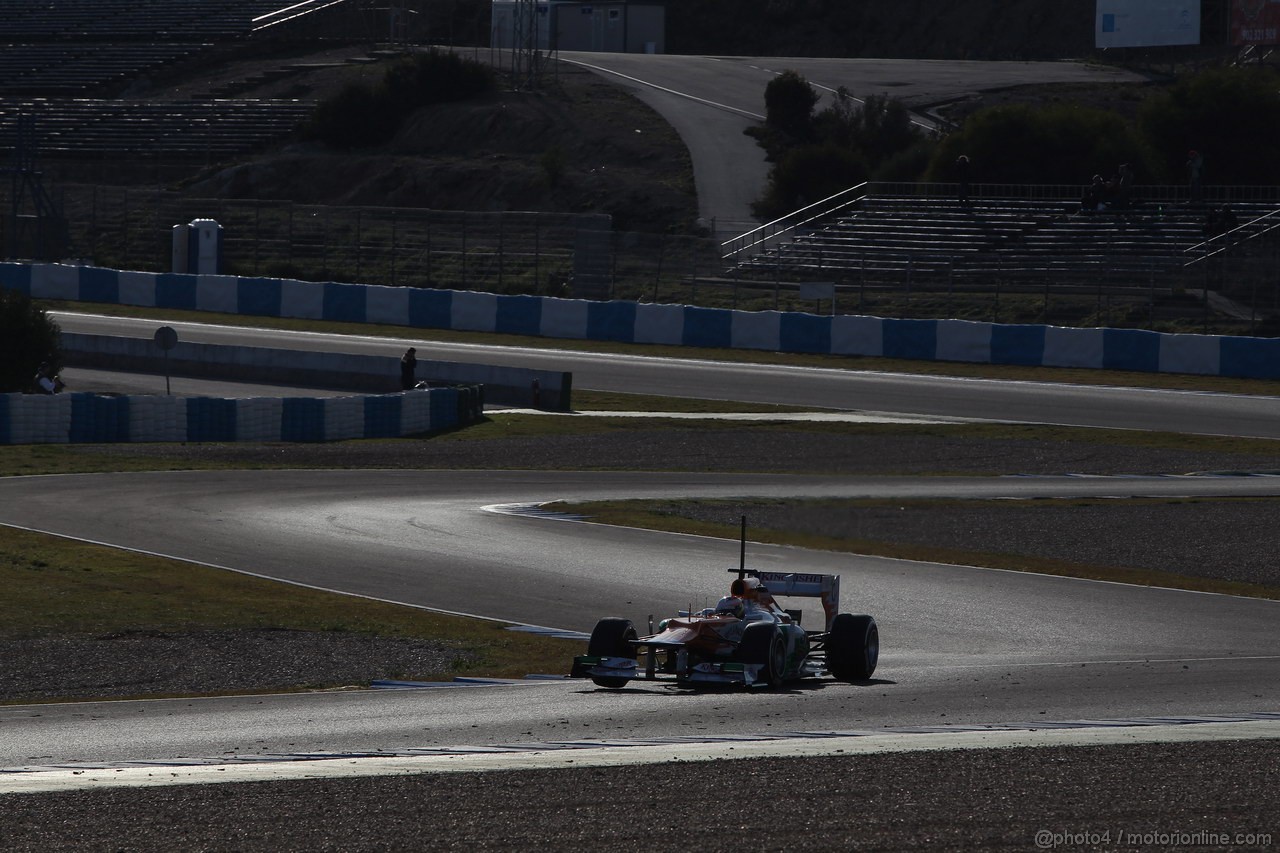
pixel 853 647
pixel 763 643
pixel 611 639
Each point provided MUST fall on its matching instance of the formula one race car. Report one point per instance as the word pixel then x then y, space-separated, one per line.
pixel 746 639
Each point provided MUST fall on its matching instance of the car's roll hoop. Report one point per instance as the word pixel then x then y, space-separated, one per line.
pixel 753 585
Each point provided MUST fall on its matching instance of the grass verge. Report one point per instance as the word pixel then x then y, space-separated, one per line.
pixel 35 459
pixel 56 586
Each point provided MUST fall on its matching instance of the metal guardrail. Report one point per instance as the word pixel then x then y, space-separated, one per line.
pixel 1224 242
pixel 759 239
pixel 764 237
pixel 290 13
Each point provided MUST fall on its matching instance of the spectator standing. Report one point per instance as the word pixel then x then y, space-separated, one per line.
pixel 409 368
pixel 1124 187
pixel 1195 170
pixel 963 176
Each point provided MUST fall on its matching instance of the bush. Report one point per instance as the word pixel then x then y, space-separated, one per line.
pixel 850 142
pixel 27 337
pixel 1060 144
pixel 435 77
pixel 362 116
pixel 880 127
pixel 809 174
pixel 356 117
pixel 1229 115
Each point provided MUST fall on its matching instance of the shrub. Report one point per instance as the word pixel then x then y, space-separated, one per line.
pixel 1062 144
pixel 808 174
pixel 435 77
pixel 850 142
pixel 788 104
pixel 554 161
pixel 879 128
pixel 27 337
pixel 356 117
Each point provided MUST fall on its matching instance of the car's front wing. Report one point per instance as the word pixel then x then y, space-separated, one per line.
pixel 684 670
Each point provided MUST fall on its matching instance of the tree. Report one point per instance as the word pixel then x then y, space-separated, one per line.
pixel 1230 115
pixel 27 337
pixel 788 104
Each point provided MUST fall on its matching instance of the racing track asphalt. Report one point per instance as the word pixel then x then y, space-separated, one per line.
pixel 711 100
pixel 943 396
pixel 960 645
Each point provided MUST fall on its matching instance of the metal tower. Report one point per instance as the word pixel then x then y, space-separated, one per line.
pixel 34 228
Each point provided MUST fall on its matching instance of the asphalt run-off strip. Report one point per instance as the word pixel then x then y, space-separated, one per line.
pixel 617 753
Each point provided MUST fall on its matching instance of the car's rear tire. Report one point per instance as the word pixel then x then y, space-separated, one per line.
pixel 610 638
pixel 763 643
pixel 853 647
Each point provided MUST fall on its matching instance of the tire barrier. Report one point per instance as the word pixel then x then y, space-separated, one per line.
pixel 629 322
pixel 90 418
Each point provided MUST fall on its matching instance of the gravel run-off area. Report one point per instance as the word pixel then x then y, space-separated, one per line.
pixel 1139 797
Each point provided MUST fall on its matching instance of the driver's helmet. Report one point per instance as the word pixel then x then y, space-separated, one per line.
pixel 730 605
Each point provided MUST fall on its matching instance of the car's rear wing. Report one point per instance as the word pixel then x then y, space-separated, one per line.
pixel 801 585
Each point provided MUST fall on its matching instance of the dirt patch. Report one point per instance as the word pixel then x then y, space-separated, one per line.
pixel 190 663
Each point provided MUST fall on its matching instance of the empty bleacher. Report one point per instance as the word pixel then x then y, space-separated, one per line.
pixel 73 65
pixel 82 68
pixel 210 129
pixel 935 243
pixel 28 21
pixel 101 47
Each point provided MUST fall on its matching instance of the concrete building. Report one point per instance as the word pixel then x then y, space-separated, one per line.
pixel 615 26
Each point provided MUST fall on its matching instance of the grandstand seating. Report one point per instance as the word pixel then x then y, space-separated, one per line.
pixel 99 47
pixel 28 21
pixel 81 68
pixel 179 130
pixel 937 243
pixel 67 61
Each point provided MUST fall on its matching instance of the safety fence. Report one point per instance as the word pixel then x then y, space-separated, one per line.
pixel 510 252
pixel 642 323
pixel 1111 281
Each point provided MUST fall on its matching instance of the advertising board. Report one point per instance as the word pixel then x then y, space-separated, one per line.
pixel 1255 22
pixel 1147 23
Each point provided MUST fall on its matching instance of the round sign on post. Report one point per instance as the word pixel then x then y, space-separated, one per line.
pixel 166 338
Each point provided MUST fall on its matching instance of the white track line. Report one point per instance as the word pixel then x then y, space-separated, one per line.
pixel 69 779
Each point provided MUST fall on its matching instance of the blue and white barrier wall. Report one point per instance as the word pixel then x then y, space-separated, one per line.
pixel 629 322
pixel 90 418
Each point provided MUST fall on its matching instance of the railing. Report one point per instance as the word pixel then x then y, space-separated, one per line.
pixel 763 237
pixel 758 240
pixel 1225 241
pixel 290 13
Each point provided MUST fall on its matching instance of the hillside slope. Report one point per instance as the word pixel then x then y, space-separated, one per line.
pixel 577 144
